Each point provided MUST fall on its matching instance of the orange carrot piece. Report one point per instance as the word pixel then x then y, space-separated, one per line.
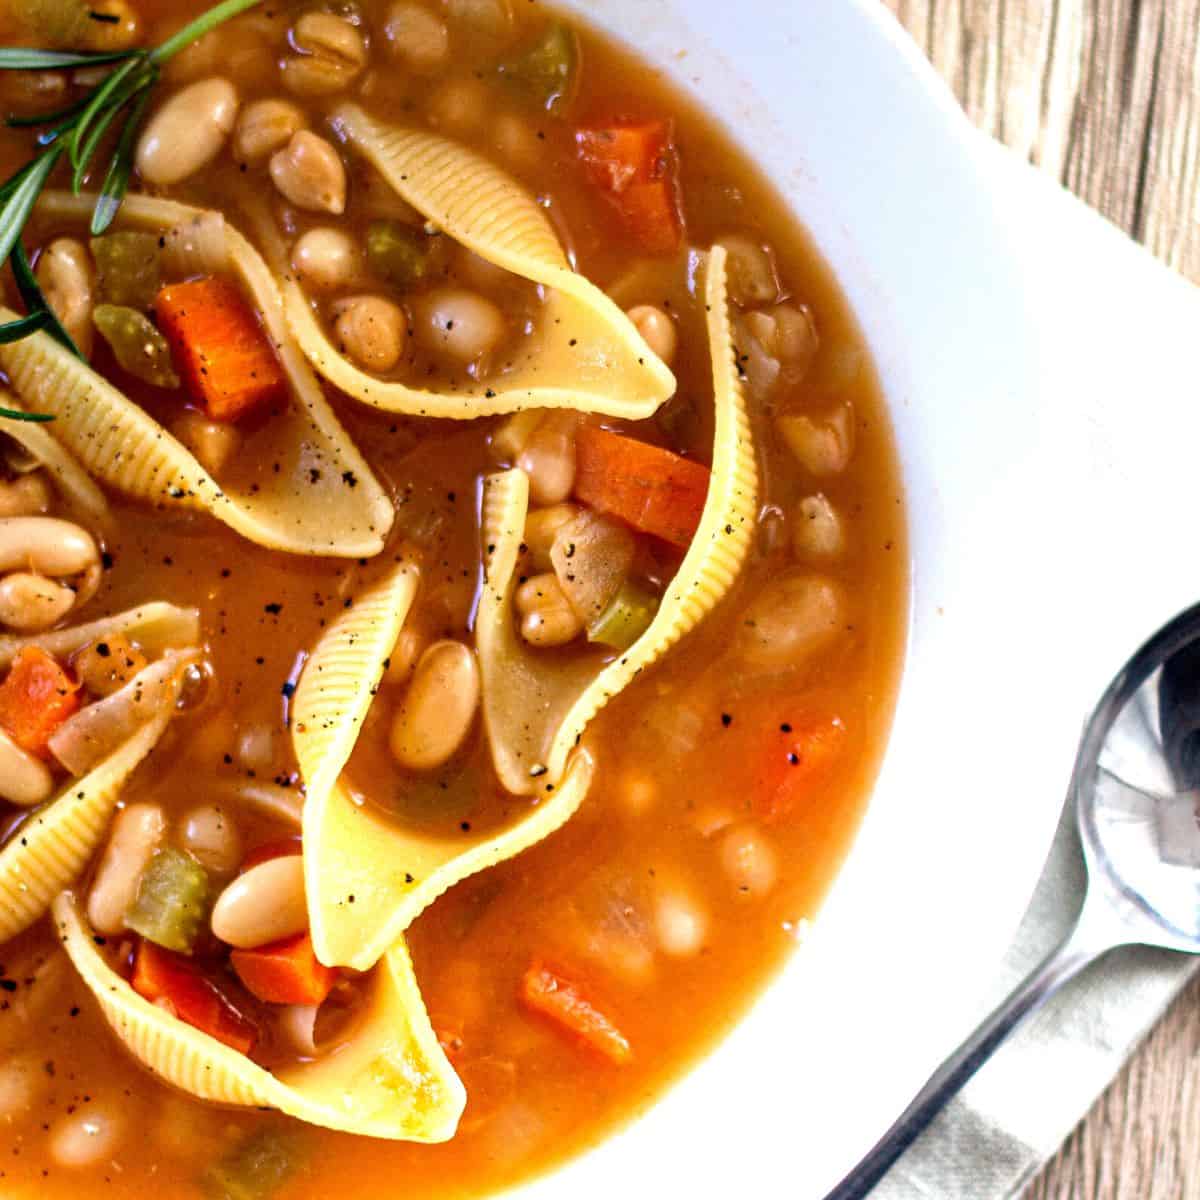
pixel 795 758
pixel 651 489
pixel 172 983
pixel 222 354
pixel 285 972
pixel 279 848
pixel 545 991
pixel 636 166
pixel 35 699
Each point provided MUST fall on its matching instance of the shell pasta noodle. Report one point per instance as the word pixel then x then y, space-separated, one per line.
pixel 453 588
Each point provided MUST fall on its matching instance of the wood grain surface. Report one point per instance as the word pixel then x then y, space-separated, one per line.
pixel 1105 95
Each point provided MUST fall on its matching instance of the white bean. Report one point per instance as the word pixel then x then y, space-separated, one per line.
pixel 548 458
pixel 137 832
pixel 87 1137
pixel 211 836
pixel 822 447
pixel 371 330
pixel 751 269
pixel 214 443
pixel 264 127
pixel 749 861
pixel 309 172
pixel 547 618
pixel 459 107
pixel 46 545
pixel 23 1079
pixel 657 330
pixel 325 258
pixel 68 281
pixel 792 618
pixel 417 37
pixel 188 132
pixel 30 603
pixel 460 324
pixel 439 708
pixel 817 531
pixel 26 495
pixel 263 905
pixel 24 779
pixel 403 658
pixel 258 747
pixel 680 924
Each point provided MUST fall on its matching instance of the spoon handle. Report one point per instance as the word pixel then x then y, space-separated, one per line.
pixel 1086 942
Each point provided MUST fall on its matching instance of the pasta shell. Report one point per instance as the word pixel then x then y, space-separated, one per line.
pixel 72 481
pixel 389 1080
pixel 586 354
pixel 367 877
pixel 536 707
pixel 323 499
pixel 54 845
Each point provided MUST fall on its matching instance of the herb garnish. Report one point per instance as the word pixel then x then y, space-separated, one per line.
pixel 76 133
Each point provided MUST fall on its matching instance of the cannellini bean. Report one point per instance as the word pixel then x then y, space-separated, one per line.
pixel 24 780
pixel 137 832
pixel 460 324
pixel 211 836
pixel 680 923
pixel 188 132
pixel 23 1080
pixel 753 280
pixel 67 278
pixel 309 172
pixel 263 905
pixel 108 664
pixel 330 55
pixel 548 458
pixel 540 527
pixel 25 496
pixel 657 330
pixel 792 618
pixel 30 603
pixel 264 127
pixel 214 443
pixel 417 37
pixel 786 333
pixel 258 748
pixel 817 530
pixel 439 708
pixel 326 258
pixel 371 330
pixel 87 1137
pixel 547 618
pixel 749 861
pixel 821 447
pixel 47 545
pixel 403 658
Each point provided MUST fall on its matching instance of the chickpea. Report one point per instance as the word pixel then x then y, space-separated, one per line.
pixel 67 278
pixel 107 665
pixel 750 267
pixel 516 142
pixel 483 18
pixel 404 656
pixel 25 496
pixel 657 330
pixel 439 708
pixel 87 1137
pixel 211 836
pixel 547 618
pixel 822 447
pixel 460 325
pixel 787 333
pixel 680 923
pixel 549 459
pixel 214 443
pixel 817 531
pixel 459 107
pixel 330 55
pixel 188 132
pixel 309 172
pixel 264 127
pixel 418 38
pixel 509 437
pixel 540 527
pixel 793 618
pixel 749 862
pixel 30 603
pixel 372 331
pixel 326 258
pixel 258 748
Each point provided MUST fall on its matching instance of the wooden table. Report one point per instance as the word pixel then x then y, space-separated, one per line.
pixel 1105 95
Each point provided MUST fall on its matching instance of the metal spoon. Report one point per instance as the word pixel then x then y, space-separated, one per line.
pixel 1136 791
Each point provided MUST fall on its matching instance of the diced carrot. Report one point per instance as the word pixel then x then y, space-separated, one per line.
pixel 171 982
pixel 649 488
pixel 222 354
pixel 636 166
pixel 545 991
pixel 285 972
pixel 278 848
pixel 35 699
pixel 794 758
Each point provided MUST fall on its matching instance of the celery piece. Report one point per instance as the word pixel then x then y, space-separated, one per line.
pixel 545 72
pixel 127 269
pixel 398 253
pixel 256 1167
pixel 626 618
pixel 136 344
pixel 172 901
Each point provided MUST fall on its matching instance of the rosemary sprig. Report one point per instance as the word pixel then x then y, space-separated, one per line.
pixel 77 132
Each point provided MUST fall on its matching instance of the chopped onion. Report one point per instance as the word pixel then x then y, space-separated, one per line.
pixel 591 556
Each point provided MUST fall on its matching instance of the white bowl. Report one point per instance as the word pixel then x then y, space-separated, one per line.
pixel 933 245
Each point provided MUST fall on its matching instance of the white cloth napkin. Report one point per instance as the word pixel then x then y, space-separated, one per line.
pixel 1128 329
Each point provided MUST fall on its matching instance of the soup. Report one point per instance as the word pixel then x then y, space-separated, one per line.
pixel 451 620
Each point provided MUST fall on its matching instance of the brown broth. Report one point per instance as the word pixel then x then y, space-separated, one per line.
pixel 582 896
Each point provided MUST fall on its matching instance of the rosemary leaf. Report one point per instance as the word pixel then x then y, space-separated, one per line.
pixel 99 101
pixel 20 202
pixel 16 414
pixel 19 58
pixel 31 293
pixel 138 83
pixel 116 182
pixel 14 331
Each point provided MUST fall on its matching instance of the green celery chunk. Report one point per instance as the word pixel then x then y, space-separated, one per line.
pixel 545 72
pixel 127 269
pixel 256 1167
pixel 172 901
pixel 398 253
pixel 136 343
pixel 626 618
